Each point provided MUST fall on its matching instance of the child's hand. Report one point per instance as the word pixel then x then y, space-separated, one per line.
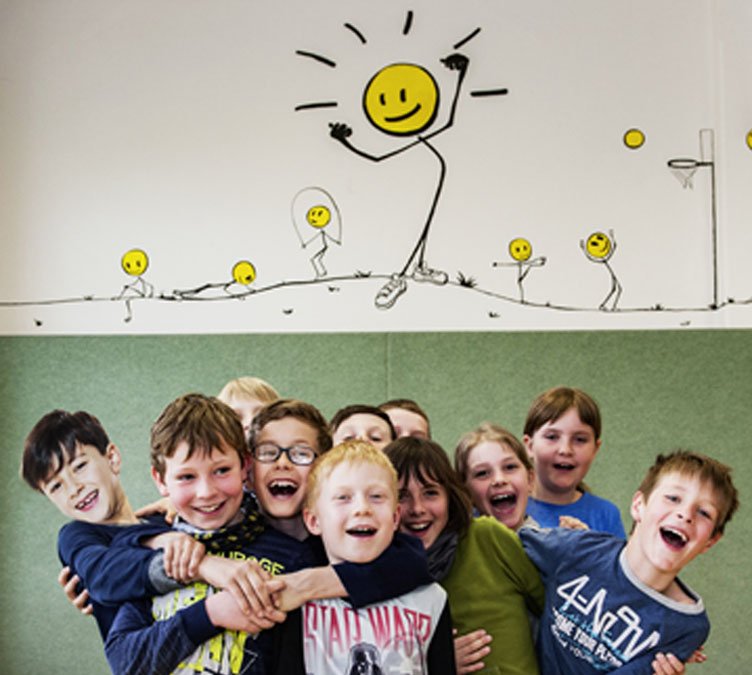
pixel 698 655
pixel 252 587
pixel 79 600
pixel 572 523
pixel 161 506
pixel 470 649
pixel 224 611
pixel 182 554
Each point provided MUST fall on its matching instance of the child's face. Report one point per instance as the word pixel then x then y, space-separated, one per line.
pixel 246 409
pixel 408 423
pixel 280 485
pixel 87 487
pixel 499 482
pixel 562 451
pixel 365 427
pixel 675 524
pixel 207 488
pixel 424 509
pixel 356 512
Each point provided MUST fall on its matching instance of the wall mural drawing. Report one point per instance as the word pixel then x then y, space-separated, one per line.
pixel 444 174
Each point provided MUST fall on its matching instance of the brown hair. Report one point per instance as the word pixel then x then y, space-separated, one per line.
pixel 427 461
pixel 203 422
pixel 706 470
pixel 53 440
pixel 487 432
pixel 406 404
pixel 343 414
pixel 299 410
pixel 552 404
pixel 354 451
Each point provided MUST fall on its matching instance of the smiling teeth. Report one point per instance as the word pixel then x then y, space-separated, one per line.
pixel 87 500
pixel 209 509
pixel 418 527
pixel 676 533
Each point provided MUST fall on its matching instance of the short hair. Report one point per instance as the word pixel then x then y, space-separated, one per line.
pixel 553 403
pixel 248 387
pixel 407 404
pixel 203 422
pixel 426 461
pixel 53 441
pixel 299 410
pixel 354 452
pixel 487 432
pixel 695 465
pixel 347 412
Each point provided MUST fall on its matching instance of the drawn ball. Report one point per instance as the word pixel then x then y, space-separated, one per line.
pixel 318 216
pixel 598 245
pixel 634 138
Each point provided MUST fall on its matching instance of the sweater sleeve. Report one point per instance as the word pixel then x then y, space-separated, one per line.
pixel 137 645
pixel 111 574
pixel 440 657
pixel 401 568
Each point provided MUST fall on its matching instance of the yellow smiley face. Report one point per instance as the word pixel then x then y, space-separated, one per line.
pixel 401 99
pixel 244 272
pixel 520 249
pixel 318 216
pixel 598 245
pixel 134 262
pixel 634 139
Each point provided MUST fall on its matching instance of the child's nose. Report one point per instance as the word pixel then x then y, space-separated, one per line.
pixel 499 478
pixel 205 487
pixel 361 504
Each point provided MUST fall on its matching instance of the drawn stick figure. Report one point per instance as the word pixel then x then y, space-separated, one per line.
pixel 135 262
pixel 313 209
pixel 243 275
pixel 402 100
pixel 520 250
pixel 599 248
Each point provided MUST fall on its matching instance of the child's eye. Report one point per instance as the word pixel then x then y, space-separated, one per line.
pixel 481 473
pixel 342 497
pixel 77 466
pixel 403 496
pixel 705 514
pixel 54 487
pixel 376 437
pixel 222 470
pixel 184 477
pixel 672 498
pixel 550 435
pixel 512 466
pixel 582 439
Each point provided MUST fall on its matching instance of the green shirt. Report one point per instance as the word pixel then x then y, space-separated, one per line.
pixel 492 584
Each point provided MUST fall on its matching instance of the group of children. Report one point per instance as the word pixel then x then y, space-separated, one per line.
pixel 283 554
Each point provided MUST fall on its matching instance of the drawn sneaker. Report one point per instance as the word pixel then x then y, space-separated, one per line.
pixel 423 273
pixel 390 291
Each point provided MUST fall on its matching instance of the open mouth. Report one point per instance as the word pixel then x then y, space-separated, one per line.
pixel 282 488
pixel 88 501
pixel 210 509
pixel 417 528
pixel 673 538
pixel 564 466
pixel 362 532
pixel 504 502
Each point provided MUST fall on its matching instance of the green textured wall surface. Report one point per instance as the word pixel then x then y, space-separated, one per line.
pixel 657 391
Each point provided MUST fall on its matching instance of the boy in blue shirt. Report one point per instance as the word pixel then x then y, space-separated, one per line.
pixel 613 605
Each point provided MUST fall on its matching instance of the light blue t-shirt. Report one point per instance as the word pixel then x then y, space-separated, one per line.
pixel 599 514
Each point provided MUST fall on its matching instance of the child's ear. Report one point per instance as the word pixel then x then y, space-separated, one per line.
pixel 712 542
pixel 397 516
pixel 159 482
pixel 114 458
pixel 527 441
pixel 311 521
pixel 637 505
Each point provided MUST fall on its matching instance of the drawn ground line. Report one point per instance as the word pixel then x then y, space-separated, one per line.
pixel 177 297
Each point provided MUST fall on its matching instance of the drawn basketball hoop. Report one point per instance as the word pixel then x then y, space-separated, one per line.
pixel 684 168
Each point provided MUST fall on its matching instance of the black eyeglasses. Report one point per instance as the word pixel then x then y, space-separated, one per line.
pixel 269 452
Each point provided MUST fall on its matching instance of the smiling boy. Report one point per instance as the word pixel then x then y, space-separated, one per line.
pixel 352 504
pixel 611 605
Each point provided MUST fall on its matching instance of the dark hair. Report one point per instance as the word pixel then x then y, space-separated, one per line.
pixel 360 409
pixel 203 422
pixel 553 403
pixel 427 461
pixel 299 410
pixel 53 441
pixel 706 470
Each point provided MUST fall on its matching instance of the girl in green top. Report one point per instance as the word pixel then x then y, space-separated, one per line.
pixel 480 563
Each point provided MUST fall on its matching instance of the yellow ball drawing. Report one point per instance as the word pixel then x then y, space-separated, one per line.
pixel 634 138
pixel 749 139
pixel 401 99
pixel 244 272
pixel 520 249
pixel 134 262
pixel 598 245
pixel 318 216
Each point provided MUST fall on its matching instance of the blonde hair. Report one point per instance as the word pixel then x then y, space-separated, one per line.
pixel 353 452
pixel 487 432
pixel 248 387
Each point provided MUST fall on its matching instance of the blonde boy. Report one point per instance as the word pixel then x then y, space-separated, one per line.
pixel 611 605
pixel 352 504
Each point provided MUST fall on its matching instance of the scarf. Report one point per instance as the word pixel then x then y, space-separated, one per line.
pixel 441 554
